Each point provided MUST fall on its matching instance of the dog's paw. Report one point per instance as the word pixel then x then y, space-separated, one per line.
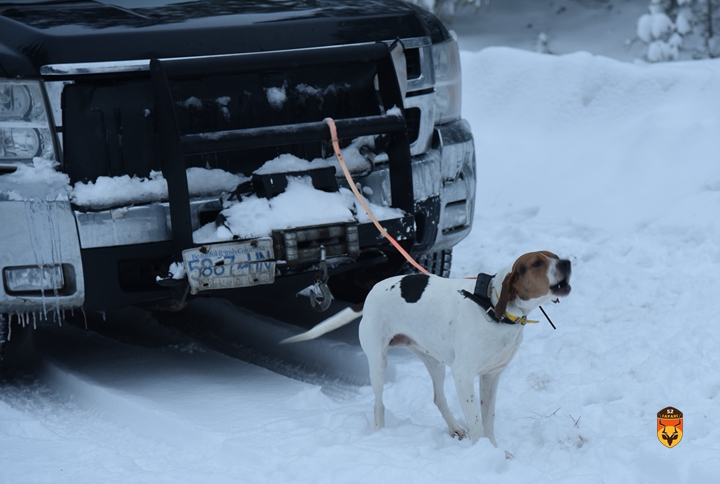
pixel 459 432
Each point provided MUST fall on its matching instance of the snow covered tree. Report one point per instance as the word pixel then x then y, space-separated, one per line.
pixel 446 9
pixel 674 25
pixel 706 25
pixel 658 30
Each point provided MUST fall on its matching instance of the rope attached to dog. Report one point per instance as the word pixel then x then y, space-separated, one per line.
pixel 351 183
pixel 338 154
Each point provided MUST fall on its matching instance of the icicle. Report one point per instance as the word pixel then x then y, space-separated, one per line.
pixel 2 319
pixel 55 254
pixel 38 231
pixel 42 218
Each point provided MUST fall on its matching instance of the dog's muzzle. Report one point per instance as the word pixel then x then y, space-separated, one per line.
pixel 562 288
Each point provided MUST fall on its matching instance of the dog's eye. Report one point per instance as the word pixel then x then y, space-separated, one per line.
pixel 537 263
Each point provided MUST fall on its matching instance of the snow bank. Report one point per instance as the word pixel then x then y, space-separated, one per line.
pixel 594 140
pixel 615 166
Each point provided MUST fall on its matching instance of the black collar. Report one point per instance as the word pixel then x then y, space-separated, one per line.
pixel 480 297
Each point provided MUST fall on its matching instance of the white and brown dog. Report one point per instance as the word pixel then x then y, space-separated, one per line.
pixel 450 322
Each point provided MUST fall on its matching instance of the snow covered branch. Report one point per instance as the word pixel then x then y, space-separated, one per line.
pixel 672 26
pixel 446 9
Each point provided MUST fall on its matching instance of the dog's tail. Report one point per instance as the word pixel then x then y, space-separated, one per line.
pixel 339 320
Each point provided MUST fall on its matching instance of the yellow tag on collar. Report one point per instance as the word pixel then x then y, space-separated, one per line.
pixel 519 319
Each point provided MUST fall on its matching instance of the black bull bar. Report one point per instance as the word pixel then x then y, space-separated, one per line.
pixel 174 145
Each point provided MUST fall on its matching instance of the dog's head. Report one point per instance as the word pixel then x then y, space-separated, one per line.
pixel 535 278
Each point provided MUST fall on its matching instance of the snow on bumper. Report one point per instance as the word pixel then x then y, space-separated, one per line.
pixel 443 186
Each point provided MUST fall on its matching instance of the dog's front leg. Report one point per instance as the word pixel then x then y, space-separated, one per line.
pixel 488 396
pixel 464 384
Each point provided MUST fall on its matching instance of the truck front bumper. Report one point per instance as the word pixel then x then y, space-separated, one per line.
pixel 43 243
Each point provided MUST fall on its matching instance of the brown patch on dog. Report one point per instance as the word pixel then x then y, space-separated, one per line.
pixel 528 279
pixel 507 294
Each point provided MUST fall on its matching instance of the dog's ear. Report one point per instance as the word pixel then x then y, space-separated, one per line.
pixel 507 294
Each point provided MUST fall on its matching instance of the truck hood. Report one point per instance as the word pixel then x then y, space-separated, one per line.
pixel 34 33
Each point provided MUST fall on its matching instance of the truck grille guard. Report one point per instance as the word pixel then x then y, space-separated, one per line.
pixel 175 146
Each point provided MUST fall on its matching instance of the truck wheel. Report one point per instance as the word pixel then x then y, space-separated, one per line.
pixel 437 263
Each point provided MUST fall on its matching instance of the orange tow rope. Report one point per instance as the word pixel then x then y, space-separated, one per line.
pixel 351 183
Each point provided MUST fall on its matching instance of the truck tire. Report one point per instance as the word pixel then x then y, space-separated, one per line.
pixel 438 263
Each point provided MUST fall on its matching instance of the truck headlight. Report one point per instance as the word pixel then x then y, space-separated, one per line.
pixel 24 123
pixel 448 81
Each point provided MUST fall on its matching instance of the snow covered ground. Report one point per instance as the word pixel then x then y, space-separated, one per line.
pixel 611 164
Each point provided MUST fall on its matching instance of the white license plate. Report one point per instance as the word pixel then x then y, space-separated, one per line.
pixel 230 265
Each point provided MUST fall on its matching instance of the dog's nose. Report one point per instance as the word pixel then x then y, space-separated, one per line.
pixel 564 268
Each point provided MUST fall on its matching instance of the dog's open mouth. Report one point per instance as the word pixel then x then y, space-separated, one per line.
pixel 562 288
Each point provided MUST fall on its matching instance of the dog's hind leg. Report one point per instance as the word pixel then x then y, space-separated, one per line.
pixel 488 396
pixel 378 367
pixel 376 352
pixel 437 373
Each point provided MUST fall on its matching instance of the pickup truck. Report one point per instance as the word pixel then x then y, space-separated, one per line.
pixel 157 150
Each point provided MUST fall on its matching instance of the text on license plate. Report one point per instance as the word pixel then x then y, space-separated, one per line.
pixel 230 265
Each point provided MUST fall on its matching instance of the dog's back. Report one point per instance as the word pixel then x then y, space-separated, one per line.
pixel 416 311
